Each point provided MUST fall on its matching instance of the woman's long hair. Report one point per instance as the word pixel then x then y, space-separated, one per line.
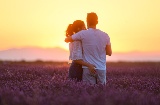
pixel 69 30
pixel 77 26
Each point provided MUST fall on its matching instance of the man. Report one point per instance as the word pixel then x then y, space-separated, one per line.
pixel 96 45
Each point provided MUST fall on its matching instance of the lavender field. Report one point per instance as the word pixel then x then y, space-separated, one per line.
pixel 46 83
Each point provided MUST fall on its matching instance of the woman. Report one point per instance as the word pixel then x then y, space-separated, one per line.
pixel 76 51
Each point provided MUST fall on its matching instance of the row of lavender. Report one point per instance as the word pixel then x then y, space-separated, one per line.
pixel 47 84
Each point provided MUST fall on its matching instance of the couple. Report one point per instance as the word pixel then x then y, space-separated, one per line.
pixel 88 50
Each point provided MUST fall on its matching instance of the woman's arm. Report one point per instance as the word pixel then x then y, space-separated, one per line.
pixel 90 66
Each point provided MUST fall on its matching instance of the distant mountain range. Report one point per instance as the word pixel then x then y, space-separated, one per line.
pixel 34 53
pixel 59 54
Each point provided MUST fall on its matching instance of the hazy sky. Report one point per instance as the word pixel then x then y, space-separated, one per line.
pixel 133 25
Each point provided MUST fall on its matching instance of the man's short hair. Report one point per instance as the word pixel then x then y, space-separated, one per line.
pixel 92 19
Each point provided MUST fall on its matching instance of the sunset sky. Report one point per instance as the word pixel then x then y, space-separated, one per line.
pixel 133 25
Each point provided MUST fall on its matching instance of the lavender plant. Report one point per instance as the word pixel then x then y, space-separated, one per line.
pixel 24 83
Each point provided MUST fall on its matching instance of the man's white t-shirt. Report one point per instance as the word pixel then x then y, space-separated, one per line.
pixel 94 43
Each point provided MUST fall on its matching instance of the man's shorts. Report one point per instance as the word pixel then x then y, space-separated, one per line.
pixel 100 78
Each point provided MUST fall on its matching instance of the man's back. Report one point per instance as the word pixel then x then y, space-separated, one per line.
pixel 94 42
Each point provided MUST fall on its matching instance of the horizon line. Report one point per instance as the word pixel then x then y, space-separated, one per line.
pixel 118 52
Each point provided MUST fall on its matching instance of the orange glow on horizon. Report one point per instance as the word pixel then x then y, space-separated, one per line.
pixel 132 25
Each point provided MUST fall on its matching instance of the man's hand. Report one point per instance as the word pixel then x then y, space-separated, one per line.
pixel 68 39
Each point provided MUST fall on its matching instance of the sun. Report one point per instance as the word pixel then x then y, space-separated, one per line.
pixel 65 46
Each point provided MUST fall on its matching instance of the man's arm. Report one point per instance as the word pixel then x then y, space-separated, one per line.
pixel 108 50
pixel 90 66
pixel 69 39
pixel 74 37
